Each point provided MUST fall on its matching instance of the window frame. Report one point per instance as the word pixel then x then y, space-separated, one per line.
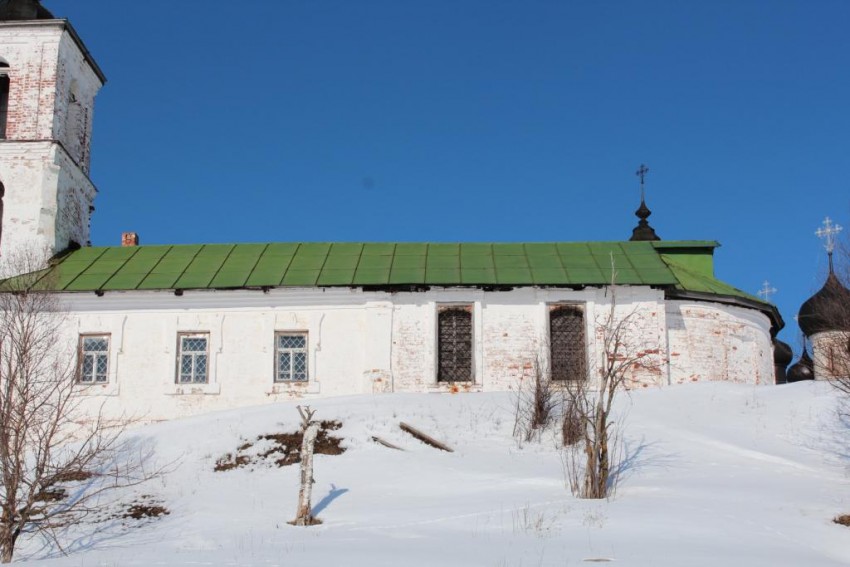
pixel 82 353
pixel 579 308
pixel 470 309
pixel 305 349
pixel 179 359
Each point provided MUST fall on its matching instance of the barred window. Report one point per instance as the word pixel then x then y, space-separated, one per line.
pixel 290 357
pixel 192 358
pixel 567 351
pixel 94 359
pixel 454 336
pixel 4 97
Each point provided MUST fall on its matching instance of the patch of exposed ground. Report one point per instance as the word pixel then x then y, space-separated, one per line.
pixel 281 449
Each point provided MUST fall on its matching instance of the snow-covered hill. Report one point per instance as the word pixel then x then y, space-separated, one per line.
pixel 716 474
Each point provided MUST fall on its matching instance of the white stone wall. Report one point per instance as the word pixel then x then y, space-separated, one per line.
pixel 716 342
pixel 44 159
pixel 830 355
pixel 47 198
pixel 372 342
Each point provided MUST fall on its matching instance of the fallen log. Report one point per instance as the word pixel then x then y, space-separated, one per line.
pixel 385 443
pixel 427 439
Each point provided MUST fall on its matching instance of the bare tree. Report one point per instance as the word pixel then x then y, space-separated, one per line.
pixel 310 429
pixel 587 413
pixel 57 461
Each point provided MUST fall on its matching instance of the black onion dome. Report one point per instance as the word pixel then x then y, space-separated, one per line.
pixel 643 231
pixel 11 10
pixel 814 315
pixel 803 370
pixel 782 353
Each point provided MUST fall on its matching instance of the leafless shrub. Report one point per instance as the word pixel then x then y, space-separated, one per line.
pixel 58 461
pixel 537 402
pixel 589 462
pixel 571 422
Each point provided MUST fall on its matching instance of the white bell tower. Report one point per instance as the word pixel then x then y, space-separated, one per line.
pixel 48 82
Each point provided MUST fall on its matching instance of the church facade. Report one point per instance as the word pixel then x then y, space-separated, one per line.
pixel 168 331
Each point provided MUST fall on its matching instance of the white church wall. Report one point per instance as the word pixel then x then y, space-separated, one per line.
pixel 47 198
pixel 716 342
pixel 639 314
pixel 32 51
pixel 76 87
pixel 830 355
pixel 357 342
pixel 47 191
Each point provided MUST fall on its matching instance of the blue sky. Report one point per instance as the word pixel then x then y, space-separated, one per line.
pixel 472 120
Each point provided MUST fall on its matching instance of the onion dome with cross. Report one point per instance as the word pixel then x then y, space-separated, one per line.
pixel 643 231
pixel 815 314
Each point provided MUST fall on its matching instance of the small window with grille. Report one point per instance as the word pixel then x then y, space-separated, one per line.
pixel 567 347
pixel 290 357
pixel 94 359
pixel 192 358
pixel 454 343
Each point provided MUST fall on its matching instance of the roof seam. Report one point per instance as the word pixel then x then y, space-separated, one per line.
pixel 223 262
pixel 289 264
pixel 153 268
pixel 257 262
pixel 115 273
pixel 186 268
pixel 80 273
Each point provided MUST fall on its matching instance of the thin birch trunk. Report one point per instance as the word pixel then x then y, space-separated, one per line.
pixel 304 516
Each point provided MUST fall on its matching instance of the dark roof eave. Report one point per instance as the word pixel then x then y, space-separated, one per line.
pixel 771 311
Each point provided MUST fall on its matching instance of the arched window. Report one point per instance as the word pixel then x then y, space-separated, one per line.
pixel 454 349
pixel 4 96
pixel 567 350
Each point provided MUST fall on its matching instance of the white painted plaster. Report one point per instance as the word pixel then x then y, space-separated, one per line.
pixel 830 355
pixel 373 342
pixel 715 342
pixel 44 160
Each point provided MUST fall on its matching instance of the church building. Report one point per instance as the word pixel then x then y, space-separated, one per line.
pixel 167 331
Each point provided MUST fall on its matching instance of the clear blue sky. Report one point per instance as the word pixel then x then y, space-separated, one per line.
pixel 476 120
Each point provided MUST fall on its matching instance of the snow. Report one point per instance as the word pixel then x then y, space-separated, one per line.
pixel 716 474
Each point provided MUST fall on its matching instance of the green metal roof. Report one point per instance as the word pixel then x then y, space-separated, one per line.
pixel 225 266
pixel 686 266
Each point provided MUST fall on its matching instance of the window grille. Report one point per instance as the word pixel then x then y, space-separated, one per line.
pixel 4 97
pixel 454 344
pixel 192 359
pixel 94 359
pixel 291 357
pixel 567 351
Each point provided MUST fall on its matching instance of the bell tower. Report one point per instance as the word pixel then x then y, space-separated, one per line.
pixel 48 82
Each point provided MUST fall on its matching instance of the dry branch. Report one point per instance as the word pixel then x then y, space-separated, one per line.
pixel 427 439
pixel 386 443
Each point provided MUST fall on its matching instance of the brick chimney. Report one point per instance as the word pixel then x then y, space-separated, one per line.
pixel 129 239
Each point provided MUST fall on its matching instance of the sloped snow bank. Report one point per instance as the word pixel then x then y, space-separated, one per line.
pixel 715 474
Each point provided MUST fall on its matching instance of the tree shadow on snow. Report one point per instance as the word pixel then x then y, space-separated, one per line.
pixel 332 495
pixel 105 521
pixel 635 457
pixel 832 434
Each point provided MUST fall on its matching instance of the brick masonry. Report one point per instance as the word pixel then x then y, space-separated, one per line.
pixel 44 160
